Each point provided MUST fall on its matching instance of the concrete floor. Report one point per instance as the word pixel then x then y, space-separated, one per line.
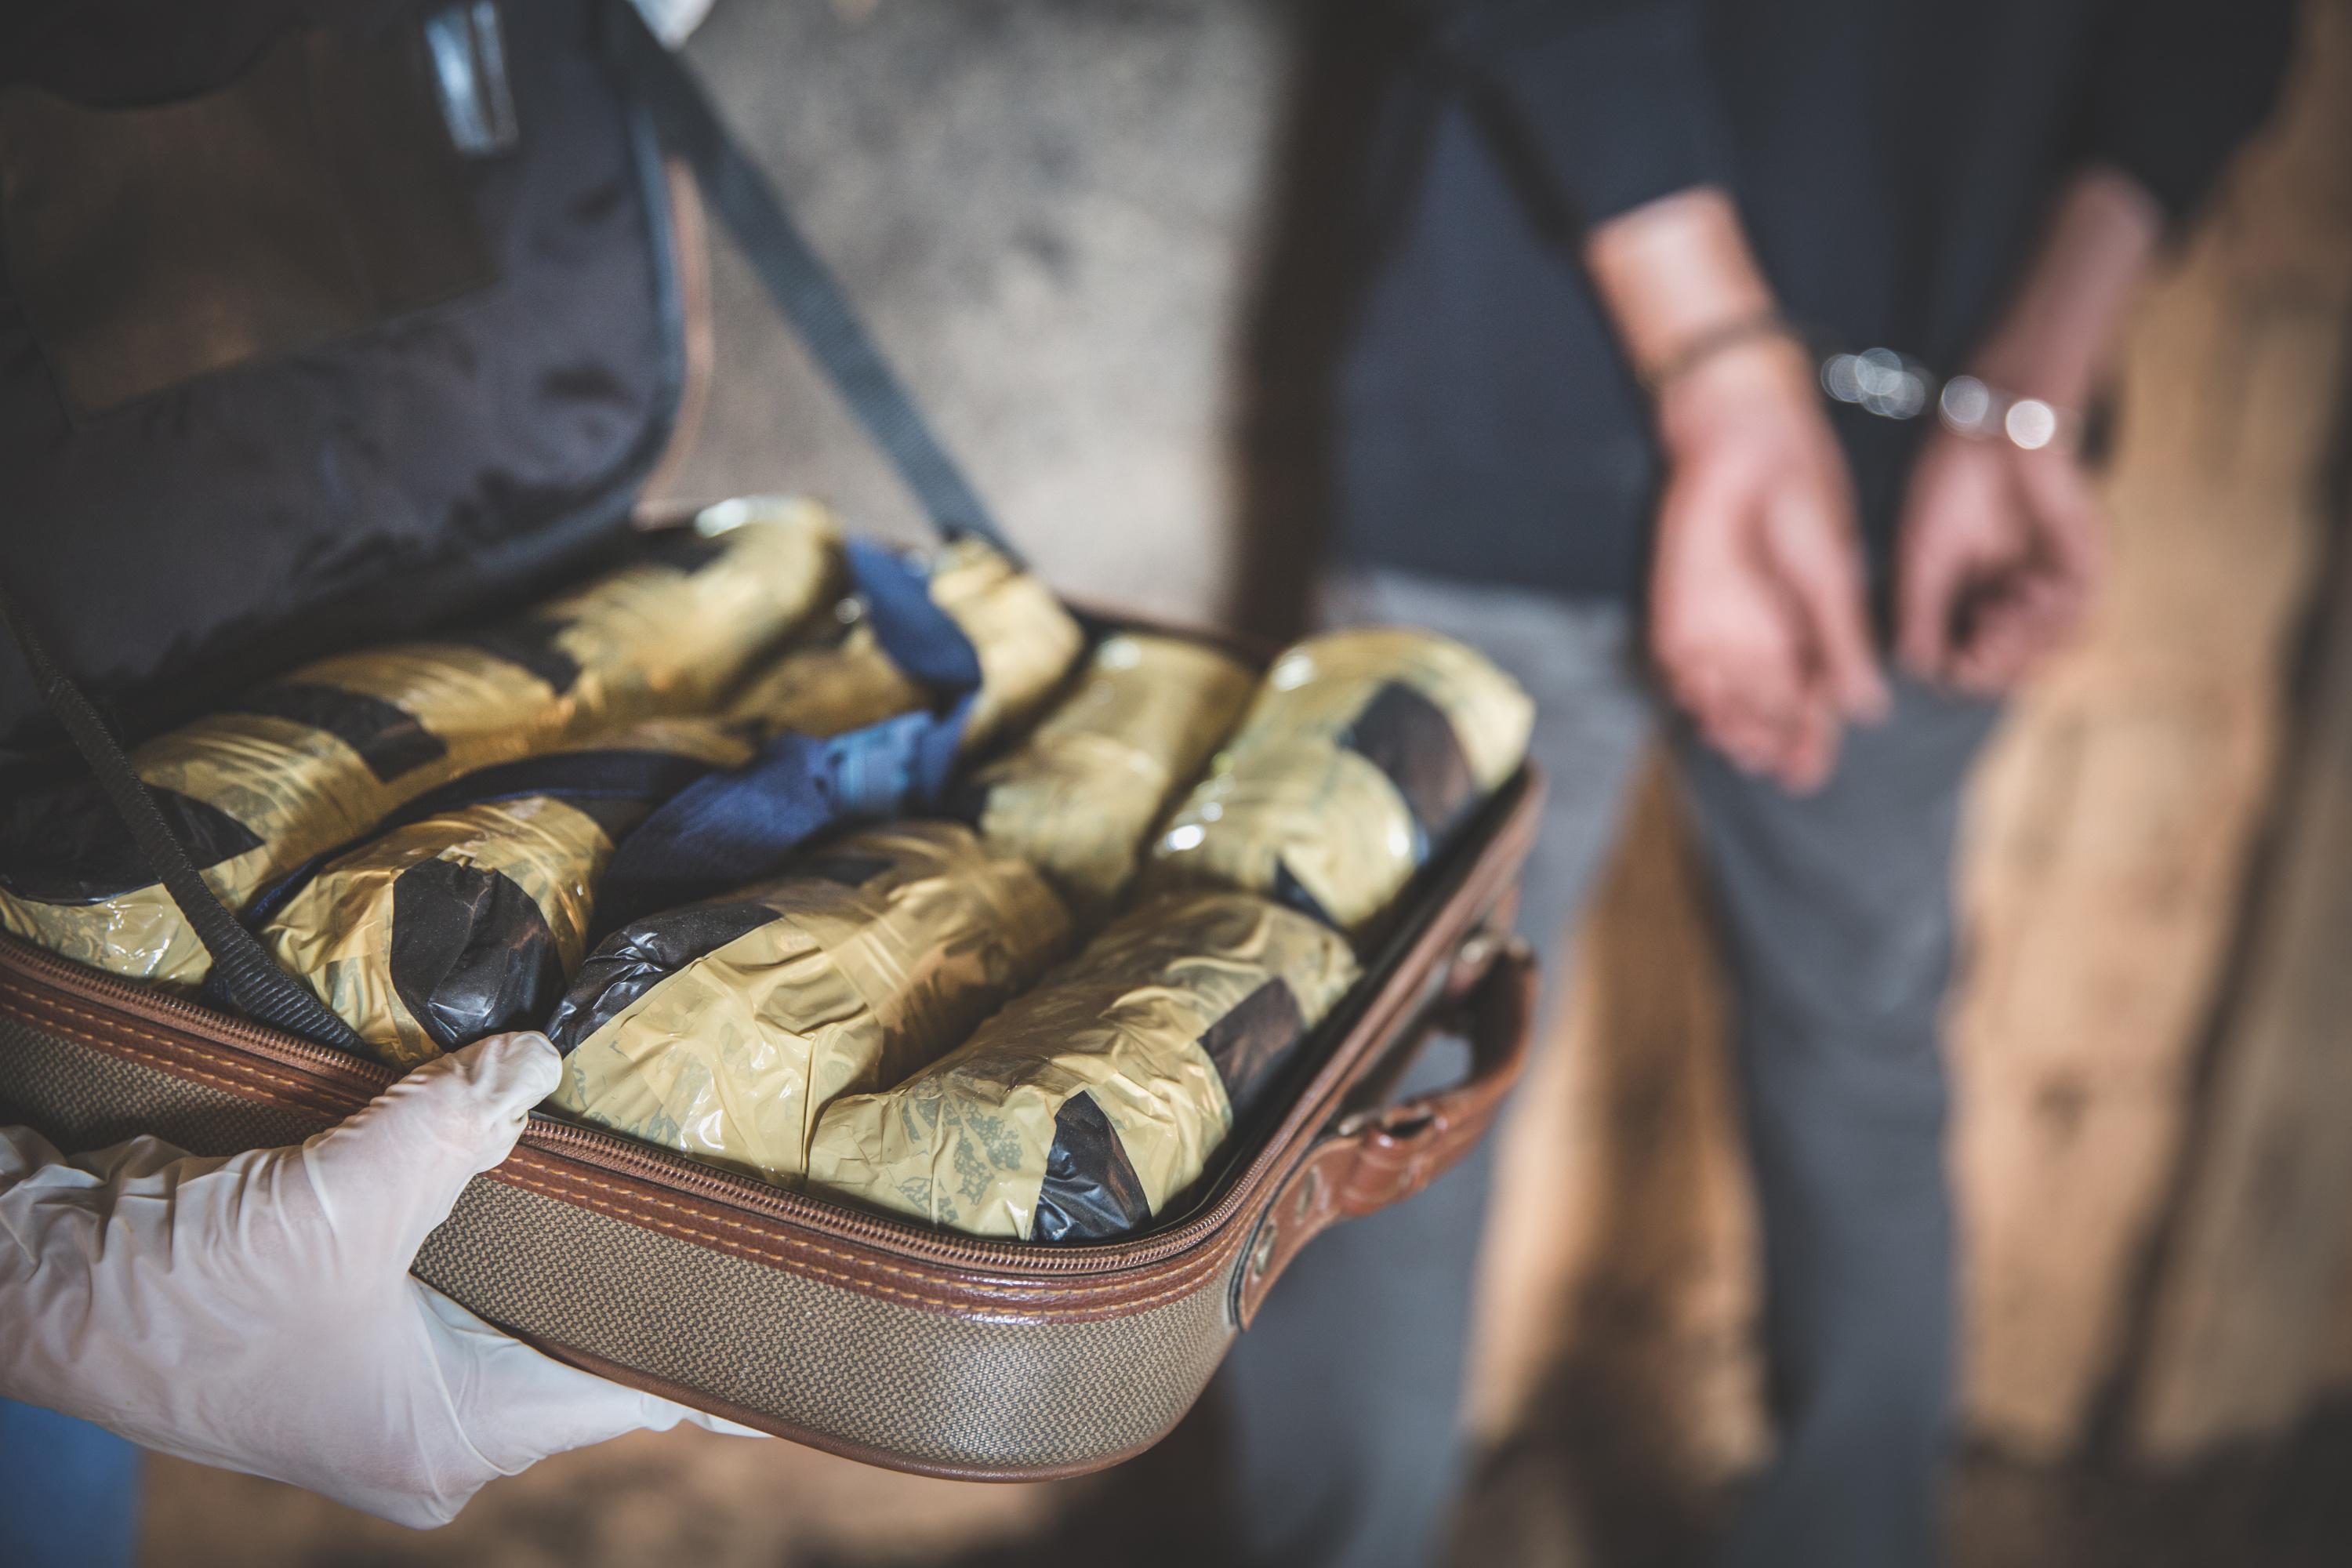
pixel 1569 1492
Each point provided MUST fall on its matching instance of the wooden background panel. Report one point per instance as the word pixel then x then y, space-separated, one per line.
pixel 2113 826
pixel 2252 1283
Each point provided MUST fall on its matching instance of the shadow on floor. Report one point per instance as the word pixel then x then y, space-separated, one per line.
pixel 1596 1491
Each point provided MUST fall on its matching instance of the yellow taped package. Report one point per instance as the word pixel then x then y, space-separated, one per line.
pixel 1363 753
pixel 1025 639
pixel 471 920
pixel 317 759
pixel 676 634
pixel 1078 797
pixel 1088 1104
pixel 840 678
pixel 835 680
pixel 722 1029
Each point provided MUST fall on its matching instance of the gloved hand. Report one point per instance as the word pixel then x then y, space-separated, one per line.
pixel 257 1312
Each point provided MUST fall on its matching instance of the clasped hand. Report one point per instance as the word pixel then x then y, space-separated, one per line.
pixel 1759 621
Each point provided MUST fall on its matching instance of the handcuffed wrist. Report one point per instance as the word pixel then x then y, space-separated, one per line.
pixel 1711 342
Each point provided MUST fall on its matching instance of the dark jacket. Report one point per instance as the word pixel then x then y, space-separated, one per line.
pixel 1891 160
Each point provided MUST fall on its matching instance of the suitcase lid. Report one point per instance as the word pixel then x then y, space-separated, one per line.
pixel 286 364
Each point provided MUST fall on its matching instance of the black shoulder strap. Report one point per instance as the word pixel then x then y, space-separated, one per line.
pixel 803 288
pixel 806 293
pixel 242 968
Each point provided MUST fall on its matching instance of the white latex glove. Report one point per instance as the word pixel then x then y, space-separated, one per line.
pixel 257 1312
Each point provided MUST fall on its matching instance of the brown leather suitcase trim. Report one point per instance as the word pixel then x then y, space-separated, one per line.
pixel 962 1294
pixel 1385 1155
pixel 185 1056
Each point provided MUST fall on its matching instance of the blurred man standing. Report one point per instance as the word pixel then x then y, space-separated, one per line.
pixel 1584 424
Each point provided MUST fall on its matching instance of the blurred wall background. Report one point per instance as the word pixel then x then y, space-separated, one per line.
pixel 1077 226
pixel 1050 210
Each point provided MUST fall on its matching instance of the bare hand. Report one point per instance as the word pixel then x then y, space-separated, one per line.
pixel 2002 552
pixel 1758 619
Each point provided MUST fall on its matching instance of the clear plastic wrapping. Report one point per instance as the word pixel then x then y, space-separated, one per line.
pixel 835 680
pixel 1080 794
pixel 470 919
pixel 722 1029
pixel 841 678
pixel 1361 754
pixel 1087 1105
pixel 1025 639
pixel 318 758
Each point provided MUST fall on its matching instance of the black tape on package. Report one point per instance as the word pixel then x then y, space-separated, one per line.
pixel 1080 794
pixel 322 756
pixel 1363 751
pixel 1089 1104
pixel 749 822
pixel 723 1030
pixel 469 916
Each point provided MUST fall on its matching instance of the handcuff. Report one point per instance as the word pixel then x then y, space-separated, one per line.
pixel 1891 385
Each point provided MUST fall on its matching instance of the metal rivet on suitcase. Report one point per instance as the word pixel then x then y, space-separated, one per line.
pixel 1262 1254
pixel 1309 1190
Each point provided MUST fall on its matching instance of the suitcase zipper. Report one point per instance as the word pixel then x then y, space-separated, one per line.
pixel 340 1070
pixel 609 1152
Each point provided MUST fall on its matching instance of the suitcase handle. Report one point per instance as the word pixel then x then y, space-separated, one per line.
pixel 1373 1158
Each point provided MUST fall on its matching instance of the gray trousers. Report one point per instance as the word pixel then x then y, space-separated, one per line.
pixel 1339 1409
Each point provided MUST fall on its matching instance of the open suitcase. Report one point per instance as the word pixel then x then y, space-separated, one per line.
pixel 871 1337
